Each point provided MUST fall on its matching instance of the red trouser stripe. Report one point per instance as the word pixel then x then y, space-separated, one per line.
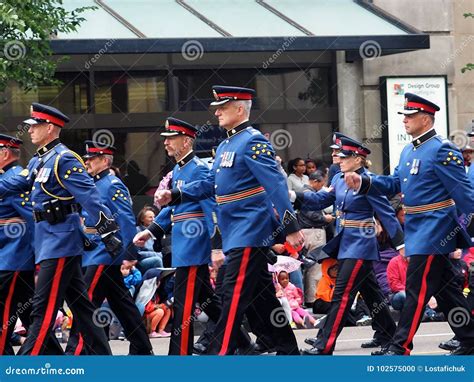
pixel 235 300
pixel 187 311
pixel 50 308
pixel 420 305
pixel 342 307
pixel 90 293
pixel 6 314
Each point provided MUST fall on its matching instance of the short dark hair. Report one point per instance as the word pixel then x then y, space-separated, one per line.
pixel 318 176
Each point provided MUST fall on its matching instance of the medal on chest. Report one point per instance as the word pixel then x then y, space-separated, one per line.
pixel 228 159
pixel 180 183
pixel 415 167
pixel 43 175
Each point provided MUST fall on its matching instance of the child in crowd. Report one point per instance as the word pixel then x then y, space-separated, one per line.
pixel 157 316
pixel 132 278
pixel 295 298
pixel 325 288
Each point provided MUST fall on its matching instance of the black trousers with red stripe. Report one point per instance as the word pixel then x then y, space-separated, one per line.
pixel 247 282
pixel 106 281
pixel 58 280
pixel 432 275
pixel 192 285
pixel 355 275
pixel 16 293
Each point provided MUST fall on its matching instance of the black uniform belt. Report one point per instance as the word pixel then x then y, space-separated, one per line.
pixel 187 216
pixel 68 208
pixel 410 210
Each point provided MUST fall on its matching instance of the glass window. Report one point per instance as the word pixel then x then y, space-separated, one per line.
pixel 277 89
pixel 70 97
pixel 130 92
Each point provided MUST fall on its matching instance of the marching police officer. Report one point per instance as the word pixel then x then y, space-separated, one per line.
pixel 434 188
pixel 59 187
pixel 355 246
pixel 192 226
pixel 247 185
pixel 16 236
pixel 102 272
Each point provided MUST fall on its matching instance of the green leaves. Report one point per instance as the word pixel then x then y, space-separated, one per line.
pixel 26 26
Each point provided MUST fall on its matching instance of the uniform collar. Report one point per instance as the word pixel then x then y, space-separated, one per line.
pixel 48 147
pixel 238 129
pixel 101 175
pixel 8 166
pixel 424 137
pixel 186 159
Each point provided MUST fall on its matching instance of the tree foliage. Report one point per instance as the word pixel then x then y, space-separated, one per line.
pixel 26 27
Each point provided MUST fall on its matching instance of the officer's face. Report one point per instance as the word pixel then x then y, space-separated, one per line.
pixel 229 115
pixel 95 164
pixel 350 163
pixel 176 146
pixel 416 124
pixel 335 158
pixel 39 133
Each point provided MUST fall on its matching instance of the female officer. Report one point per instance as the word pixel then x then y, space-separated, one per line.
pixel 355 246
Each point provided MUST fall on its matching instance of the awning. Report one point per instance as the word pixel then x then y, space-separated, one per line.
pixel 164 26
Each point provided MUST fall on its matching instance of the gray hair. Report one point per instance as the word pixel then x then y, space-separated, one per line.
pixel 109 159
pixel 246 104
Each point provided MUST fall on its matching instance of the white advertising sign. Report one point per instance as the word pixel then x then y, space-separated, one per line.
pixel 431 88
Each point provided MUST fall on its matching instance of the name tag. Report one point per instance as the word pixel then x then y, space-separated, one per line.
pixel 228 159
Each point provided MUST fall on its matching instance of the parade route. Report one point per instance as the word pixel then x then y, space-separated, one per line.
pixel 426 340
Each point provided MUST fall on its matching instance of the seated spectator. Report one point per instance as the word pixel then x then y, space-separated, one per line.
pixel 397 277
pixel 132 277
pixel 297 178
pixel 147 256
pixel 359 313
pixel 325 287
pixel 157 316
pixel 296 277
pixel 155 296
pixel 313 224
pixel 295 297
pixel 387 253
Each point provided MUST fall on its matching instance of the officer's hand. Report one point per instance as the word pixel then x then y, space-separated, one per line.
pixel 112 243
pixel 295 239
pixel 217 257
pixel 129 264
pixel 353 180
pixel 162 197
pixel 141 238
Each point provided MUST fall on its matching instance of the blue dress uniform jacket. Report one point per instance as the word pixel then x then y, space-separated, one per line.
pixel 192 223
pixel 16 228
pixel 57 173
pixel 355 224
pixel 245 181
pixel 114 195
pixel 435 189
pixel 470 174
